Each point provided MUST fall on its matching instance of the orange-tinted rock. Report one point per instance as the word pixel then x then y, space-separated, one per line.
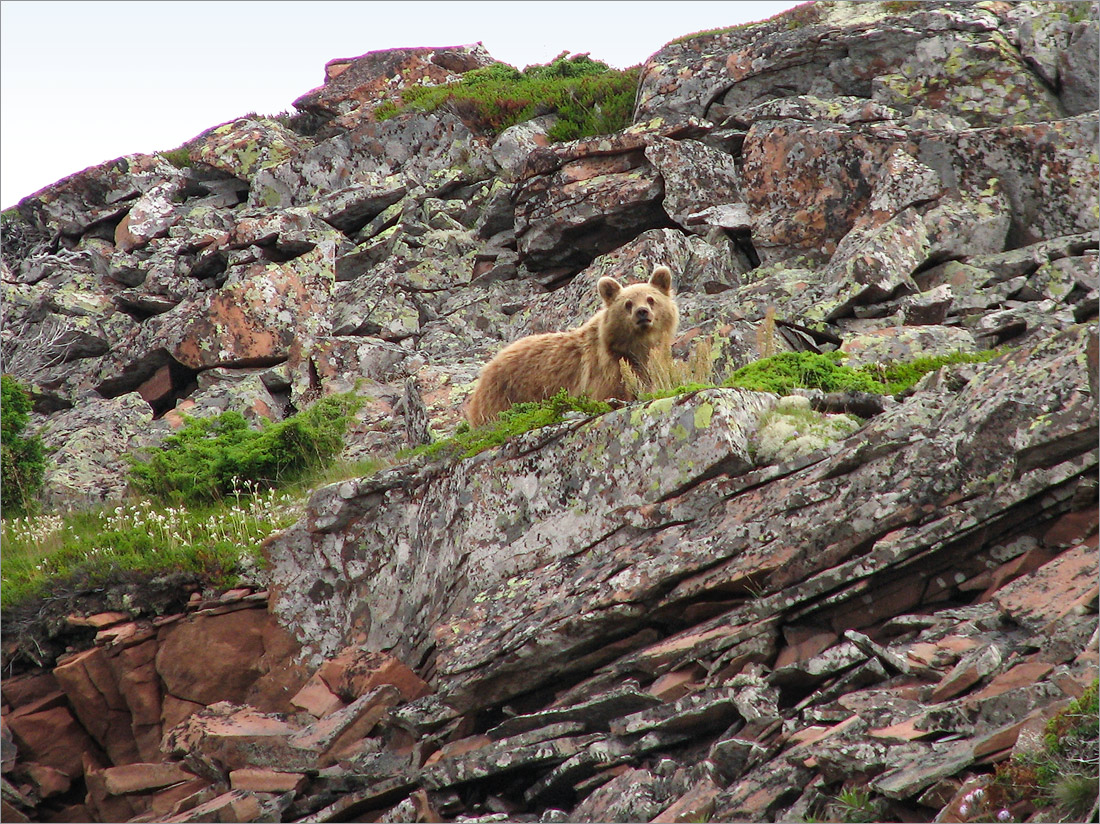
pixel 158 387
pixel 328 736
pixel 176 710
pixel 282 676
pixel 91 685
pixel 255 318
pixel 108 807
pixel 1072 528
pixel 356 672
pixel 26 689
pixel 462 746
pixel 163 802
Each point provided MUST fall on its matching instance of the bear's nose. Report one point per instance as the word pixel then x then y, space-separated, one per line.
pixel 642 315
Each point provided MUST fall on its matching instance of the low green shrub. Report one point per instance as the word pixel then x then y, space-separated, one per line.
pixel 589 97
pixel 22 457
pixel 210 457
pixel 522 417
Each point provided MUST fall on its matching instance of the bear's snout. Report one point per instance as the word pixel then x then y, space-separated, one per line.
pixel 642 316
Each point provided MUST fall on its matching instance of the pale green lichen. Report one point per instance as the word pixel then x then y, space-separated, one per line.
pixel 793 430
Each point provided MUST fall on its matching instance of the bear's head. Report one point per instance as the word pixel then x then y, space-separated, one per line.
pixel 642 314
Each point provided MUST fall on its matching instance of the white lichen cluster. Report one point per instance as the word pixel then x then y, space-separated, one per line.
pixel 793 430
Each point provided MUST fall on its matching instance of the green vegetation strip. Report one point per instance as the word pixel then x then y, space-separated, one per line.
pixel 213 492
pixel 589 97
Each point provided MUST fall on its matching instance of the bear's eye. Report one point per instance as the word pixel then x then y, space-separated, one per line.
pixel 649 301
pixel 629 305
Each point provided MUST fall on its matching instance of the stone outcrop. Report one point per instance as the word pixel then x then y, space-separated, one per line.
pixel 722 605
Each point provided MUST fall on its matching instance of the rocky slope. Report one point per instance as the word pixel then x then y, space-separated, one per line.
pixel 686 609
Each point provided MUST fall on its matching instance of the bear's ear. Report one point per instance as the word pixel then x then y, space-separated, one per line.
pixel 661 279
pixel 609 288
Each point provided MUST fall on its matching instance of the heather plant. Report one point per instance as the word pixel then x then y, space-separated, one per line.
pixel 588 96
pixel 22 456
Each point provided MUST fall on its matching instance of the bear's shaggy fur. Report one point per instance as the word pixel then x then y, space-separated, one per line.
pixel 635 322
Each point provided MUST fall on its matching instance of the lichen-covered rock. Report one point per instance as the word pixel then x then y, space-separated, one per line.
pixel 939 57
pixel 89 445
pixel 657 448
pixel 245 146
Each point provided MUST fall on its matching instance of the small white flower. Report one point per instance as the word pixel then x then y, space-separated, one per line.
pixel 964 809
pixel 1004 815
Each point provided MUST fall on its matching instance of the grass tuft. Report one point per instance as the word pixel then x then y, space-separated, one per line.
pixel 522 417
pixel 88 549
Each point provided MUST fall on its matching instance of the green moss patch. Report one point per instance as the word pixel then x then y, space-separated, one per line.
pixel 826 371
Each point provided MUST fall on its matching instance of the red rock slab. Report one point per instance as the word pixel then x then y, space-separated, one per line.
pixel 1052 590
pixel 207 659
pixel 316 698
pixel 256 779
pixel 164 802
pixel 48 781
pixel 136 778
pixel 107 807
pixel 459 747
pixel 130 633
pixel 8 812
pixel 1072 528
pixel 97 621
pixel 902 731
pixel 328 736
pixel 1000 739
pixel 1011 570
pixel 968 672
pixel 803 643
pixel 677 684
pixel 233 806
pixel 1020 675
pixel 356 672
pixel 1030 738
pixel 52 737
pixel 27 689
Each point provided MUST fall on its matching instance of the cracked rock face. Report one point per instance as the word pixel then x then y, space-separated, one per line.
pixel 722 605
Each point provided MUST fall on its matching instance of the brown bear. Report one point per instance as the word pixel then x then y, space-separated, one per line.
pixel 635 322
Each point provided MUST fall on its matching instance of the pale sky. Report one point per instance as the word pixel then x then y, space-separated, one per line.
pixel 86 82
